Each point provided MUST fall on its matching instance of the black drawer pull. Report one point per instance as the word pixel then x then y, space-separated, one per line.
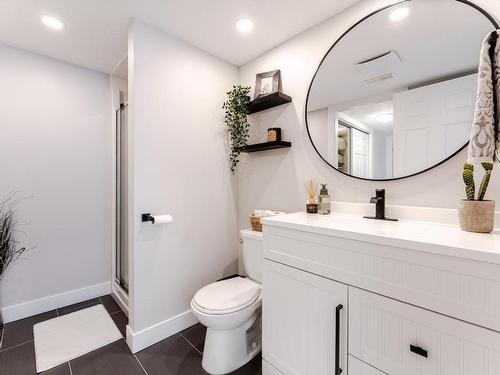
pixel 418 350
pixel 338 370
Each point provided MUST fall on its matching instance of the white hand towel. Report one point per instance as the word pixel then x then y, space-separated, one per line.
pixel 485 135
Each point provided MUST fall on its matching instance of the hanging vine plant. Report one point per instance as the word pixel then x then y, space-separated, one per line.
pixel 236 107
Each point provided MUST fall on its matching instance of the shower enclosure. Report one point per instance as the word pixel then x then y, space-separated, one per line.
pixel 121 241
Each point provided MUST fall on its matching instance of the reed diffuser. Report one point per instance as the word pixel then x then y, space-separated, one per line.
pixel 311 204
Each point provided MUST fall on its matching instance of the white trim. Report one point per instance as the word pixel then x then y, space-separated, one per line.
pixel 40 305
pixel 160 331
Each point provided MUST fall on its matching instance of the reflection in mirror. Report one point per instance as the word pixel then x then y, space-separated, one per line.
pixel 395 95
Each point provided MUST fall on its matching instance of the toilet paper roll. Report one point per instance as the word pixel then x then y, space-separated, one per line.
pixel 161 219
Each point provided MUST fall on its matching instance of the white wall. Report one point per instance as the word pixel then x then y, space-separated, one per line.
pixel 180 167
pixel 276 179
pixel 318 127
pixel 55 137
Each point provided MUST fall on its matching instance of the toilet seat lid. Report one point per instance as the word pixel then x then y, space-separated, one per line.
pixel 227 295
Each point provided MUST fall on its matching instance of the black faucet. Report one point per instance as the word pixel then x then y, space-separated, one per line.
pixel 379 200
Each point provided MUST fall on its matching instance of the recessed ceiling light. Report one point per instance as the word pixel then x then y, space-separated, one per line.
pixel 385 117
pixel 52 22
pixel 244 25
pixel 399 14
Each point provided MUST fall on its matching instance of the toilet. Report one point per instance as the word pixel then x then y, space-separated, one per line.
pixel 231 311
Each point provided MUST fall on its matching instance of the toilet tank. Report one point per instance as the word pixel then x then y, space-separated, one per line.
pixel 252 250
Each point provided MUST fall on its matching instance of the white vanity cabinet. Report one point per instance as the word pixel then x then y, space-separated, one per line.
pixel 304 321
pixel 417 298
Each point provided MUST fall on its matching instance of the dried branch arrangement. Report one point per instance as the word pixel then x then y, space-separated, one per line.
pixel 311 189
pixel 10 248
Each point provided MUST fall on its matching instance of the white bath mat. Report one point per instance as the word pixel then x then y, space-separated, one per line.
pixel 69 336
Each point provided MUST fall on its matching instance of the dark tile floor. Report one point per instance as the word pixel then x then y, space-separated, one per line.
pixel 179 354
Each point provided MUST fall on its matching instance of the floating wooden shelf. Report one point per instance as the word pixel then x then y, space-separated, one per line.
pixel 266 146
pixel 268 101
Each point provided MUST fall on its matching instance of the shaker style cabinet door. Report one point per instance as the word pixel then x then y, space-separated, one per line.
pixel 304 322
pixel 400 339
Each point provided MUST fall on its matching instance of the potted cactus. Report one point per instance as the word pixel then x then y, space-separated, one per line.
pixel 476 215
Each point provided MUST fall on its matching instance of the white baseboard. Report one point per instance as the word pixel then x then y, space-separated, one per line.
pixel 160 331
pixel 40 305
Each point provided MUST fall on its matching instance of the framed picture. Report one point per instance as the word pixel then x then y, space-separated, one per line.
pixel 267 83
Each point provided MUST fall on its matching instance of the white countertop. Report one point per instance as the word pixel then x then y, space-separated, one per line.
pixel 444 239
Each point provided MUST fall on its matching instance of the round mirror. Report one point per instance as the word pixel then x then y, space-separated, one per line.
pixel 395 95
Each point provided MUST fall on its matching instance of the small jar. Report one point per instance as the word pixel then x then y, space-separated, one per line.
pixel 311 207
pixel 274 134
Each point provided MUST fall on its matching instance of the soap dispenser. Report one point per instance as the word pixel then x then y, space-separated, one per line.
pixel 324 201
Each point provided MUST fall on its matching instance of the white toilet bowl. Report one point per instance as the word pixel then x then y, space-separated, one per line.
pixel 230 309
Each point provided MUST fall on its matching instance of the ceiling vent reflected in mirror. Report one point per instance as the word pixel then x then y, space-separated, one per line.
pixel 380 68
pixel 381 78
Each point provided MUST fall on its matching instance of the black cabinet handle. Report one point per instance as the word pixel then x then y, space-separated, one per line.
pixel 418 350
pixel 338 370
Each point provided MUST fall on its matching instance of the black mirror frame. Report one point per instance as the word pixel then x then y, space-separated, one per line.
pixel 467 2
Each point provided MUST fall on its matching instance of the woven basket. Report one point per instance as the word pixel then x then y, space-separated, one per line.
pixel 255 222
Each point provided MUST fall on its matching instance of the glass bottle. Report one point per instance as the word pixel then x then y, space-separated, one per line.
pixel 324 201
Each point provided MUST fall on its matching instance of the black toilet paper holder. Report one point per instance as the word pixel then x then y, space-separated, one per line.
pixel 147 217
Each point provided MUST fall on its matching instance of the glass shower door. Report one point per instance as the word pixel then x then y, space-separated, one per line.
pixel 121 252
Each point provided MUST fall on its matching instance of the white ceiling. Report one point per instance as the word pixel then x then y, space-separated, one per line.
pixel 440 38
pixel 367 115
pixel 95 33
